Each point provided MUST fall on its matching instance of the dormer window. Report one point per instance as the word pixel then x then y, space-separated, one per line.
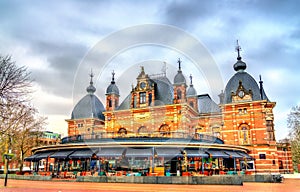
pixel 142 97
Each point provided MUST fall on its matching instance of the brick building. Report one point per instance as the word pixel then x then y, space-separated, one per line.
pixel 155 107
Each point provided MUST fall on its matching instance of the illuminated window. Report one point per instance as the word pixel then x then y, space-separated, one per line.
pixel 244 134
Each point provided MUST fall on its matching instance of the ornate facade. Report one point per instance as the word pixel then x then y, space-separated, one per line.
pixel 155 107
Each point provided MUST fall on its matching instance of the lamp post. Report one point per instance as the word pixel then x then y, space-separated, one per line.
pixel 7 158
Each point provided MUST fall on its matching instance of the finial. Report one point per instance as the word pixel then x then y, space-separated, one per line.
pixel 260 78
pixel 91 75
pixel 191 78
pixel 238 49
pixel 91 89
pixel 261 88
pixel 179 63
pixel 113 77
pixel 142 69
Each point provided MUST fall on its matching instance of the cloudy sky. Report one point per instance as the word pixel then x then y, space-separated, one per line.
pixel 58 40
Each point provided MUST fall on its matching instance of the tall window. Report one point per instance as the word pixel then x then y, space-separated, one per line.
pixel 192 104
pixel 134 101
pixel 109 103
pixel 116 103
pixel 142 97
pixel 178 94
pixel 244 134
pixel 150 98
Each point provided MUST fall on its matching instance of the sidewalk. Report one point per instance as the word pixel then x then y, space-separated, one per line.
pixel 291 176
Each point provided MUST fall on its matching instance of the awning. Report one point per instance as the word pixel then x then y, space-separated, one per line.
pixel 44 155
pixel 135 152
pixel 31 158
pixel 196 153
pixel 218 154
pixel 82 153
pixel 38 156
pixel 62 154
pixel 110 152
pixel 245 155
pixel 234 154
pixel 167 152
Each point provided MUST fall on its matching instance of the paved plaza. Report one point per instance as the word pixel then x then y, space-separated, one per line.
pixel 290 185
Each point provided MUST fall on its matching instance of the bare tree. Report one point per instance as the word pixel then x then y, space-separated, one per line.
pixel 15 83
pixel 27 136
pixel 294 134
pixel 19 122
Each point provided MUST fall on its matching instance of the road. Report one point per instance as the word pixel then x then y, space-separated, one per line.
pixel 290 185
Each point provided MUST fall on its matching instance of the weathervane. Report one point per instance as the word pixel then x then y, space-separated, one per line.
pixel 113 76
pixel 238 49
pixel 91 75
pixel 191 78
pixel 179 62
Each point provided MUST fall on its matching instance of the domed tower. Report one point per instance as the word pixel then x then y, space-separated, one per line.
pixel 248 115
pixel 179 86
pixel 112 95
pixel 191 95
pixel 87 113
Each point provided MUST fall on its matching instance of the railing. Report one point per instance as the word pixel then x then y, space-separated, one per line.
pixel 157 136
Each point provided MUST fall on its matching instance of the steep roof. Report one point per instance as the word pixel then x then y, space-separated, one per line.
pixel 207 105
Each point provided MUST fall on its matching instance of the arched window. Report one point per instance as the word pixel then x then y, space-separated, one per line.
pixel 142 130
pixel 179 94
pixel 116 103
pixel 164 130
pixel 192 104
pixel 109 103
pixel 122 132
pixel 244 134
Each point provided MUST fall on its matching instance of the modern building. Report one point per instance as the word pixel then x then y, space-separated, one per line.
pixel 167 127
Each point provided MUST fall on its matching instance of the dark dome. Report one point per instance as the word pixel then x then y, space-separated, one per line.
pixel 239 66
pixel 191 91
pixel 248 83
pixel 112 89
pixel 88 107
pixel 179 78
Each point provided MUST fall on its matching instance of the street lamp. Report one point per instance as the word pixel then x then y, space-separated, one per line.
pixel 7 157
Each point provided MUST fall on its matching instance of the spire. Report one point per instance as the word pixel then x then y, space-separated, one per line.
pixel 91 75
pixel 191 78
pixel 238 49
pixel 91 89
pixel 239 66
pixel 261 87
pixel 191 90
pixel 179 64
